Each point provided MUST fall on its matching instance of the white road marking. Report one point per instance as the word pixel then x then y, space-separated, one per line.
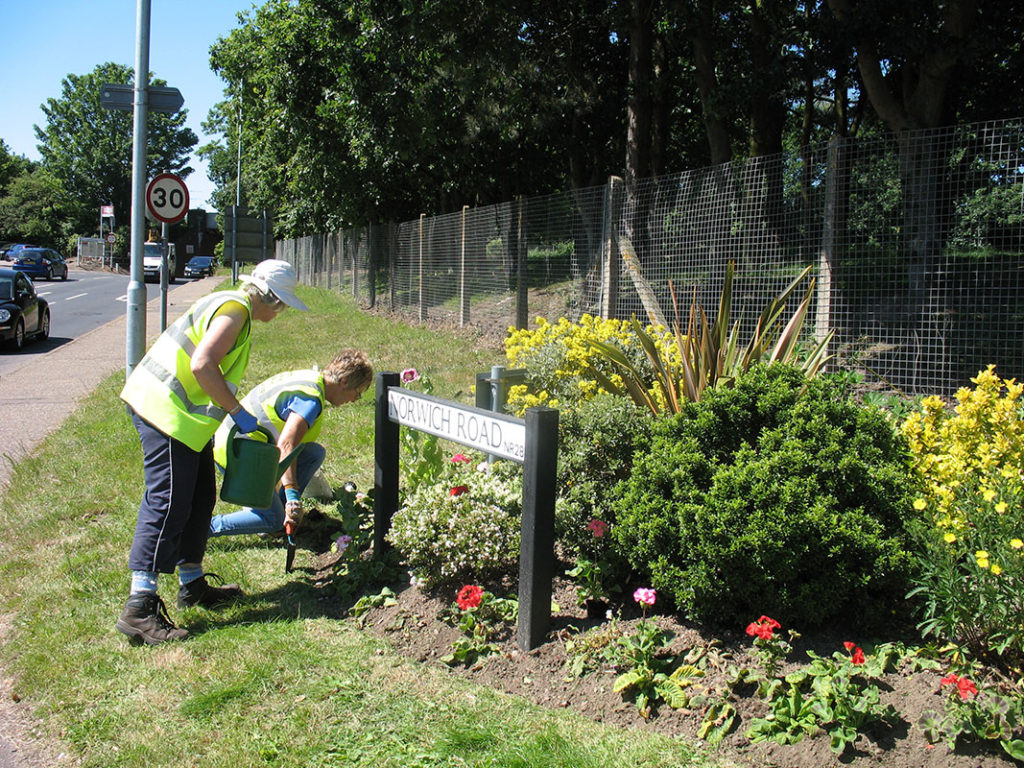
pixel 76 296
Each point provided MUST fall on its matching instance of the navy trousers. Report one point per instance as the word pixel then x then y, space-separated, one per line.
pixel 181 491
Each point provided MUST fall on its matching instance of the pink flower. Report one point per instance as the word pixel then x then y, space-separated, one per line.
pixel 410 375
pixel 458 490
pixel 645 596
pixel 343 542
pixel 597 527
pixel 469 597
pixel 460 458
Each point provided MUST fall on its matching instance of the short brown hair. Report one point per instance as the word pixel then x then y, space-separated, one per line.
pixel 350 365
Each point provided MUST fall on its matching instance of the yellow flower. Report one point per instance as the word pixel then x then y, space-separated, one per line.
pixel 920 504
pixel 996 570
pixel 989 494
pixel 982 563
pixel 981 554
pixel 1001 507
pixel 1016 543
pixel 949 538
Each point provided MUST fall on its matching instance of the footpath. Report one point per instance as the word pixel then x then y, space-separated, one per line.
pixel 35 399
pixel 39 395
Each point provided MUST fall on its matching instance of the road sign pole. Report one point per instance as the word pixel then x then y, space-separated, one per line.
pixel 164 276
pixel 135 310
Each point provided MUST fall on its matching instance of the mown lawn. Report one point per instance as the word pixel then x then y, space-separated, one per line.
pixel 273 680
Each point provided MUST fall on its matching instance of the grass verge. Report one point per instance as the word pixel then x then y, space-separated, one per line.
pixel 274 680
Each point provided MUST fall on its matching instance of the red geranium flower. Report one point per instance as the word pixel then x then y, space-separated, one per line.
pixel 848 645
pixel 460 458
pixel 964 686
pixel 469 597
pixel 858 656
pixel 597 527
pixel 458 490
pixel 763 628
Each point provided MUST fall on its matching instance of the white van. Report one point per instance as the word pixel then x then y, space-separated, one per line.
pixel 151 257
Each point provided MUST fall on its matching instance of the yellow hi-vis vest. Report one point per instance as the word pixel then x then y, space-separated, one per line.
pixel 162 388
pixel 262 403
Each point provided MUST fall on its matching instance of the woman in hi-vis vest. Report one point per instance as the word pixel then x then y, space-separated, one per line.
pixel 177 396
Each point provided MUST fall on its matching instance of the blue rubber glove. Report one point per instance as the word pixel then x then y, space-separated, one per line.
pixel 292 494
pixel 245 421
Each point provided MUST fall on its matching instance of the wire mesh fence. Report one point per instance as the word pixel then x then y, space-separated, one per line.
pixel 914 243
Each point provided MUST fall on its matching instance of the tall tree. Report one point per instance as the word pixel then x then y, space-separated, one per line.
pixel 88 149
pixel 33 209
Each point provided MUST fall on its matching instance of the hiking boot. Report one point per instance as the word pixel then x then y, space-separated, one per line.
pixel 145 620
pixel 199 592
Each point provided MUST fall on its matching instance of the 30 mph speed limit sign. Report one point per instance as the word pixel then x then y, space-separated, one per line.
pixel 167 198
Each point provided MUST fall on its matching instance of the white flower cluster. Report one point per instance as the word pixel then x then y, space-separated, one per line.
pixel 447 534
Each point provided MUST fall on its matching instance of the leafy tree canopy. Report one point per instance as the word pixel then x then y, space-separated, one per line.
pixel 88 149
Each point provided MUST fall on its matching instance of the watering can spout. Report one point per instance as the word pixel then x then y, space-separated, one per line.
pixel 252 469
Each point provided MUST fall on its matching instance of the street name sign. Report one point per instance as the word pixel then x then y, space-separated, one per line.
pixel 164 100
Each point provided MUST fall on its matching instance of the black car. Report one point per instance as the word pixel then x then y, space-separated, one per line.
pixel 23 314
pixel 199 266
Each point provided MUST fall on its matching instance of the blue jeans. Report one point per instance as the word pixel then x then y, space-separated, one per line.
pixel 249 520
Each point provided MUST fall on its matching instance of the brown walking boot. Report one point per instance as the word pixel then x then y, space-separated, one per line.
pixel 199 592
pixel 145 620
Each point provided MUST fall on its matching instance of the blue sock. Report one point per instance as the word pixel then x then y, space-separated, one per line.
pixel 189 572
pixel 143 581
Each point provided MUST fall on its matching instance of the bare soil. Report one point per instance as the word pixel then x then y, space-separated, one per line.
pixel 415 627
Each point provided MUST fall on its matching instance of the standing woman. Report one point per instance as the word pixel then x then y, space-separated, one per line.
pixel 177 396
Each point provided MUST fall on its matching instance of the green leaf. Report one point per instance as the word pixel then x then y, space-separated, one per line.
pixel 1014 748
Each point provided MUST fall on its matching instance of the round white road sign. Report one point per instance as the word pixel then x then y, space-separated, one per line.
pixel 167 198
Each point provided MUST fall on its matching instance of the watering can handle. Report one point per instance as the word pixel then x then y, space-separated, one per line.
pixel 234 430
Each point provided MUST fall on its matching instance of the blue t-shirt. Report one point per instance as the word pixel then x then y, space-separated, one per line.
pixel 307 407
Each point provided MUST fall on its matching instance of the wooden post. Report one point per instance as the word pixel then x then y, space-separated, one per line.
pixel 610 263
pixel 522 283
pixel 419 274
pixel 826 255
pixel 537 548
pixel 463 293
pixel 385 463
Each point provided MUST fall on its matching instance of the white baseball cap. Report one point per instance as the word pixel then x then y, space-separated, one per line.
pixel 276 277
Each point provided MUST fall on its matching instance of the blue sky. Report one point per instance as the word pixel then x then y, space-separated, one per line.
pixel 46 40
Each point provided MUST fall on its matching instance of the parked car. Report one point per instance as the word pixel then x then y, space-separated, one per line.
pixel 40 262
pixel 199 266
pixel 23 314
pixel 14 248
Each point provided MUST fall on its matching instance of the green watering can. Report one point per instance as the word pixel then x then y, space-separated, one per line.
pixel 252 469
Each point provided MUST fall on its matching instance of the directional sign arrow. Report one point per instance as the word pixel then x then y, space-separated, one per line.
pixel 165 100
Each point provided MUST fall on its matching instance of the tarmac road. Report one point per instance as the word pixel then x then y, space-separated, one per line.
pixel 71 372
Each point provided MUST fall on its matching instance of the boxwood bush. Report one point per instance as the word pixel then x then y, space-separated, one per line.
pixel 778 496
pixel 595 452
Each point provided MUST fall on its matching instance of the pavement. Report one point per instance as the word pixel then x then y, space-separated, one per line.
pixel 39 395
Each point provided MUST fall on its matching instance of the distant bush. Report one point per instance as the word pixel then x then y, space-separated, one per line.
pixel 779 496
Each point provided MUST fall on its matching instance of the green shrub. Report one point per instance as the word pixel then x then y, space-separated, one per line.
pixel 595 451
pixel 463 528
pixel 779 496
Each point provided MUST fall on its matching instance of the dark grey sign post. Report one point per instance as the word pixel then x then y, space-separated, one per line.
pixel 532 442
